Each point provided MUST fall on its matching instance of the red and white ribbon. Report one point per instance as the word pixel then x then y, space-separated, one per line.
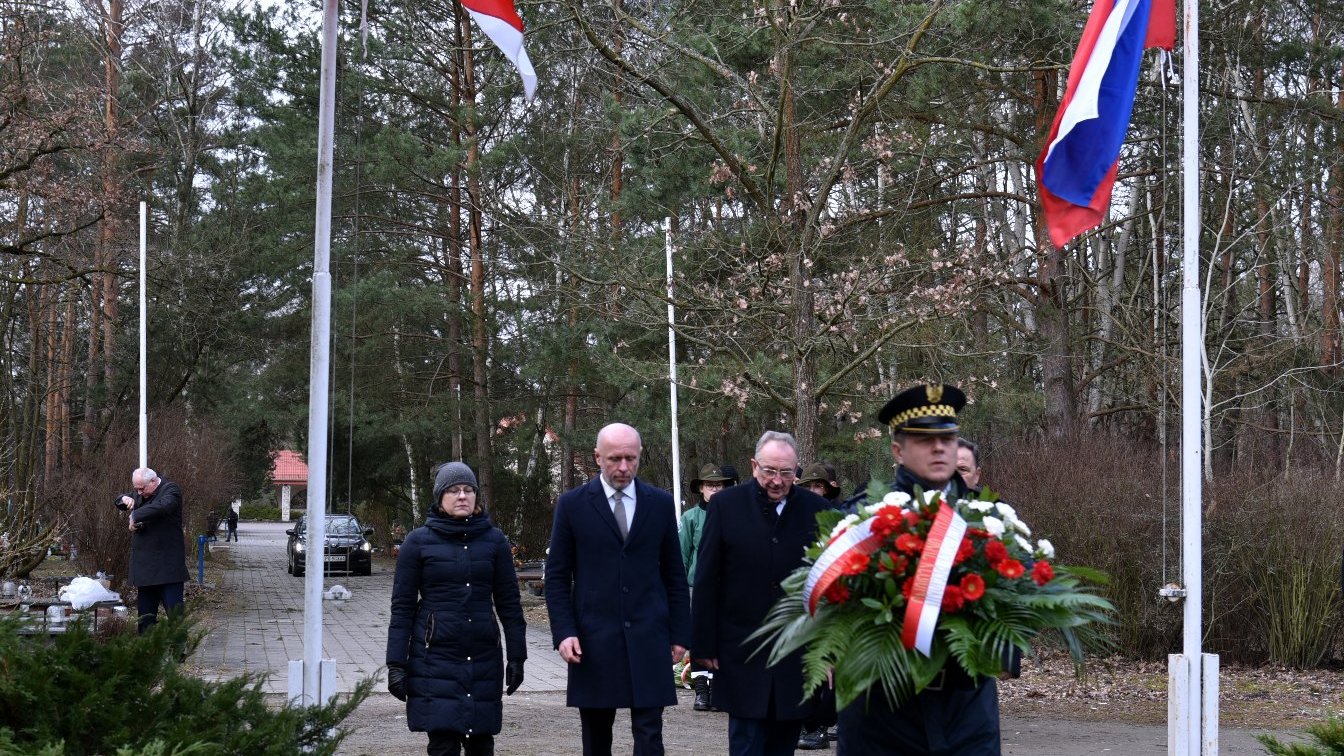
pixel 935 564
pixel 829 566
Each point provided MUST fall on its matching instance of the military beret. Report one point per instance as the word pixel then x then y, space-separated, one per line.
pixel 930 408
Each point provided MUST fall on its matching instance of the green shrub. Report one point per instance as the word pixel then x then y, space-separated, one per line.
pixel 127 694
pixel 262 512
pixel 1329 737
pixel 1271 555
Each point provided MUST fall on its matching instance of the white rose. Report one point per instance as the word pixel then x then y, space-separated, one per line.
pixel 843 525
pixel 897 498
pixel 994 526
pixel 931 496
pixel 1005 511
pixel 1024 543
pixel 1045 549
pixel 981 506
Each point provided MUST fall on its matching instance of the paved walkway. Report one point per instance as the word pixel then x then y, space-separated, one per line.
pixel 264 631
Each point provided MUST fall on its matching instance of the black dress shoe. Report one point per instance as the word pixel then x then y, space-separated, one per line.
pixel 814 740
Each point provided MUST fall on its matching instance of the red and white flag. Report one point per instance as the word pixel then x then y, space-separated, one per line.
pixel 935 564
pixel 501 23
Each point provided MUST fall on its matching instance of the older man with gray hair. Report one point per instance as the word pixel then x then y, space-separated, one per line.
pixel 158 553
pixel 754 536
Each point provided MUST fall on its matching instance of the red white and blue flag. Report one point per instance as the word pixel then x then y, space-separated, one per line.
pixel 501 23
pixel 1076 171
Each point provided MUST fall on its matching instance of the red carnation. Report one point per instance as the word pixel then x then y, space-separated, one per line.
pixel 1042 573
pixel 853 563
pixel 952 598
pixel 972 587
pixel 837 593
pixel 911 518
pixel 908 587
pixel 909 543
pixel 977 533
pixel 996 552
pixel 964 551
pixel 1010 568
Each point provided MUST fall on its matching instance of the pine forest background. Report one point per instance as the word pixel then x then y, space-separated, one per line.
pixel 853 210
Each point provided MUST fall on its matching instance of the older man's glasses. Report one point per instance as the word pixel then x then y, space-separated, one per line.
pixel 771 473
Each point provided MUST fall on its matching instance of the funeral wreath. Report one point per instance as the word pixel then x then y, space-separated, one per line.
pixel 890 595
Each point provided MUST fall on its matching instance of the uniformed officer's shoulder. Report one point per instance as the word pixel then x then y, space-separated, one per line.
pixel 852 505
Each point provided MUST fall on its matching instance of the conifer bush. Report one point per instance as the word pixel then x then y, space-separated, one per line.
pixel 78 694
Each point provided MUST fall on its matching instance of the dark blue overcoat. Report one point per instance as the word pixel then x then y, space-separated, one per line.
pixel 453 577
pixel 745 553
pixel 626 602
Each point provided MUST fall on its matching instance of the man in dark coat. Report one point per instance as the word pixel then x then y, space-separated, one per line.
pixel 454 577
pixel 957 715
pixel 617 597
pixel 755 535
pixel 158 554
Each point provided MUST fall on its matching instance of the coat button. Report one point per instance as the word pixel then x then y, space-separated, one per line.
pixel 627 624
pixel 625 589
pixel 774 540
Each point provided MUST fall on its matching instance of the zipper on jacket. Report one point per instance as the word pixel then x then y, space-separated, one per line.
pixel 429 629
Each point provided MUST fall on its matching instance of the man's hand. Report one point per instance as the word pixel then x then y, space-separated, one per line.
pixel 571 651
pixel 128 502
pixel 130 521
pixel 678 653
pixel 708 663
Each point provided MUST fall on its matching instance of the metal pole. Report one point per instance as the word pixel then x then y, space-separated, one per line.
pixel 319 368
pixel 1191 406
pixel 672 373
pixel 144 325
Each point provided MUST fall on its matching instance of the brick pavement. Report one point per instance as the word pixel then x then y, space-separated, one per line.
pixel 263 629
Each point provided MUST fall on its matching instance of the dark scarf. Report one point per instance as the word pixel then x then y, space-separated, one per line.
pixel 466 528
pixel 906 481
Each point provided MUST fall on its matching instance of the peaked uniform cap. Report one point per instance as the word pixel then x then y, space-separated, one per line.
pixel 928 408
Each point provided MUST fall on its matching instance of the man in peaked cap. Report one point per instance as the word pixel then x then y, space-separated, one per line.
pixel 957 715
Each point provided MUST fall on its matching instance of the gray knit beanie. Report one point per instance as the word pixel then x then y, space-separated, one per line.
pixel 453 474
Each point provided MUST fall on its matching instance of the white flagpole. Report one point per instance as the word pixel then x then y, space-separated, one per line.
pixel 144 325
pixel 319 676
pixel 1193 730
pixel 672 374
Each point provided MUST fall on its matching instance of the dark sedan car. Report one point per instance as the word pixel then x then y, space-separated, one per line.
pixel 347 546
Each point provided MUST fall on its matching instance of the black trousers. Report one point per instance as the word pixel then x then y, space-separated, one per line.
pixel 448 743
pixel 646 729
pixel 149 597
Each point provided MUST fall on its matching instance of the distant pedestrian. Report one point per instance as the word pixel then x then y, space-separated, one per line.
pixel 158 554
pixel 233 526
pixel 454 577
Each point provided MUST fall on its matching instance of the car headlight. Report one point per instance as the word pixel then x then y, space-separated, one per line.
pixel 298 547
pixel 366 546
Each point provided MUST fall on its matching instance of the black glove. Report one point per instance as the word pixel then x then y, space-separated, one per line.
pixel 396 681
pixel 513 676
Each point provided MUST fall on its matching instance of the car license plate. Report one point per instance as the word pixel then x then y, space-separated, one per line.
pixel 335 558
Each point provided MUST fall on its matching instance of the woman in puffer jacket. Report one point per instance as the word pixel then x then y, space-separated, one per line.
pixel 454 576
